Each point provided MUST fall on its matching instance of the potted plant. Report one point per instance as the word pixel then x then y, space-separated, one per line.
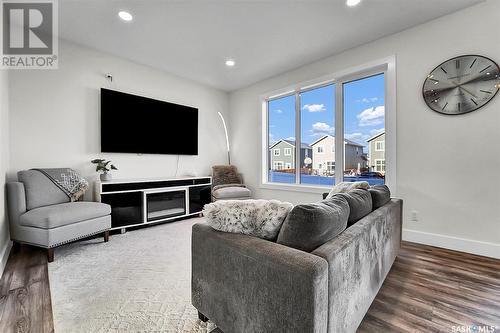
pixel 105 167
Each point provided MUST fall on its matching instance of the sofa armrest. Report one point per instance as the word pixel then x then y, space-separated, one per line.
pixel 358 262
pixel 16 201
pixel 247 284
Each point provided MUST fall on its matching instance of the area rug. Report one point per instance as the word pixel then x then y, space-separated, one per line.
pixel 139 281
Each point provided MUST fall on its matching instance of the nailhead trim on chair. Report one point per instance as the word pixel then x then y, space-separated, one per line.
pixel 77 238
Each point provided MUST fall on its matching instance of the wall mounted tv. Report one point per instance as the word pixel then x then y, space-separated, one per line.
pixel 136 124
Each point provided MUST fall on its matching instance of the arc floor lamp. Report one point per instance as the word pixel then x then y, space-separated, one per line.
pixel 227 137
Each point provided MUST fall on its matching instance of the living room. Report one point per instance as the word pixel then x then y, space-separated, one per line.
pixel 220 157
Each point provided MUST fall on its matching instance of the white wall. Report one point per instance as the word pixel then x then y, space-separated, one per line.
pixel 447 166
pixel 4 162
pixel 54 115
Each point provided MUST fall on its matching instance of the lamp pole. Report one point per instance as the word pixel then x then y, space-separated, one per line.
pixel 227 137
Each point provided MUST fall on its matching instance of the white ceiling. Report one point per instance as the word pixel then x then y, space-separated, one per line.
pixel 192 38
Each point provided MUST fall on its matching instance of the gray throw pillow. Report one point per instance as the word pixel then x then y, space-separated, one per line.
pixel 310 225
pixel 380 195
pixel 360 204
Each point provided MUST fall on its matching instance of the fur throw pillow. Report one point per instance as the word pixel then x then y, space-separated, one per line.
pixel 345 187
pixel 225 174
pixel 259 218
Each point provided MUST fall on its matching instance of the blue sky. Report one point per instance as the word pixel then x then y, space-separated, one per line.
pixel 364 112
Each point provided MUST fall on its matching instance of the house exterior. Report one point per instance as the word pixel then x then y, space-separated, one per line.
pixel 282 154
pixel 376 153
pixel 323 151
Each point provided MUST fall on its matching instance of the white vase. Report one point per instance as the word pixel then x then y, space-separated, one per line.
pixel 106 177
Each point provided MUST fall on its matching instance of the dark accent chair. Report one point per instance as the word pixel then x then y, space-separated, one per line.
pixel 228 184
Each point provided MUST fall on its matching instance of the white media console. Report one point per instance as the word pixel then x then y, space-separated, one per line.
pixel 136 202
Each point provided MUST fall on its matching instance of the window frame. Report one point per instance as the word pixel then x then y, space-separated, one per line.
pixel 285 150
pixel 387 66
pixel 382 144
pixel 382 164
pixel 278 163
pixel 276 150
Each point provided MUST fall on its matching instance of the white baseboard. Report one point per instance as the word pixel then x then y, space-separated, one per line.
pixel 453 243
pixel 4 256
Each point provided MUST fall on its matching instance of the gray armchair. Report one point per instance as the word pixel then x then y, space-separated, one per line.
pixel 41 215
pixel 228 184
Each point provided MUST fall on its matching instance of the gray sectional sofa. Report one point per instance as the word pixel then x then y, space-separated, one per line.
pixel 247 284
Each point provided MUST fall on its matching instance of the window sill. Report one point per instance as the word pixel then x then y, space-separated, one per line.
pixel 295 188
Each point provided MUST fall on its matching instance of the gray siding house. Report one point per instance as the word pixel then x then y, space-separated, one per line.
pixel 324 156
pixel 282 154
pixel 376 152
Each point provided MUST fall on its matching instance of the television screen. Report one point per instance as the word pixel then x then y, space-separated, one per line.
pixel 135 124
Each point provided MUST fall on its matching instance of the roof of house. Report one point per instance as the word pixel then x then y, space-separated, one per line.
pixel 347 141
pixel 376 136
pixel 292 143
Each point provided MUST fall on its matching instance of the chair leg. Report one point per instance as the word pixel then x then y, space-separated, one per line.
pixel 106 236
pixel 16 247
pixel 202 317
pixel 50 254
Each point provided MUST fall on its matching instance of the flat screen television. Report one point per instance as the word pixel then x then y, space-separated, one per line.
pixel 136 124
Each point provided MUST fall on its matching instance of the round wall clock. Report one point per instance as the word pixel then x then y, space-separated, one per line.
pixel 462 84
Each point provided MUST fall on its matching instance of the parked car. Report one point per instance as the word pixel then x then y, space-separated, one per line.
pixel 371 174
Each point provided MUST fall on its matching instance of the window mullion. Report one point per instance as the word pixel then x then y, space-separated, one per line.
pixel 339 133
pixel 298 139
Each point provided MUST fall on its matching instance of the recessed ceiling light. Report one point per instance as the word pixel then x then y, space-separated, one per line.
pixel 126 16
pixel 352 3
pixel 230 63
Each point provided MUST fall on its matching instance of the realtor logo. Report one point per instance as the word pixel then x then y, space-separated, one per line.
pixel 29 34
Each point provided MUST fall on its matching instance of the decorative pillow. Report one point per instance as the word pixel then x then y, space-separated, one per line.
pixel 259 218
pixel 311 225
pixel 360 204
pixel 344 187
pixel 225 174
pixel 380 195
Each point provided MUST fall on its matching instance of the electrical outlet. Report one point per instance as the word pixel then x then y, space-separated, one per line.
pixel 414 215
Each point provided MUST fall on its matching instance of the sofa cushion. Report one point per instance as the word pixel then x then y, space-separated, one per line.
pixel 360 204
pixel 232 192
pixel 308 226
pixel 259 218
pixel 54 216
pixel 380 195
pixel 40 191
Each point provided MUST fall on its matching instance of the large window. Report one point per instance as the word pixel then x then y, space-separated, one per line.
pixel 317 126
pixel 281 137
pixel 328 132
pixel 364 126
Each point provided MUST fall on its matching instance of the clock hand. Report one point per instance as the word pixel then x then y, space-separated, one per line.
pixel 459 86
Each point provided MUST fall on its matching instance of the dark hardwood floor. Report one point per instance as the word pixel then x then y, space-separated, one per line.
pixel 431 290
pixel 428 290
pixel 25 304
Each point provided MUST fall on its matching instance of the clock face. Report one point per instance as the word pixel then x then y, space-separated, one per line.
pixel 462 84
